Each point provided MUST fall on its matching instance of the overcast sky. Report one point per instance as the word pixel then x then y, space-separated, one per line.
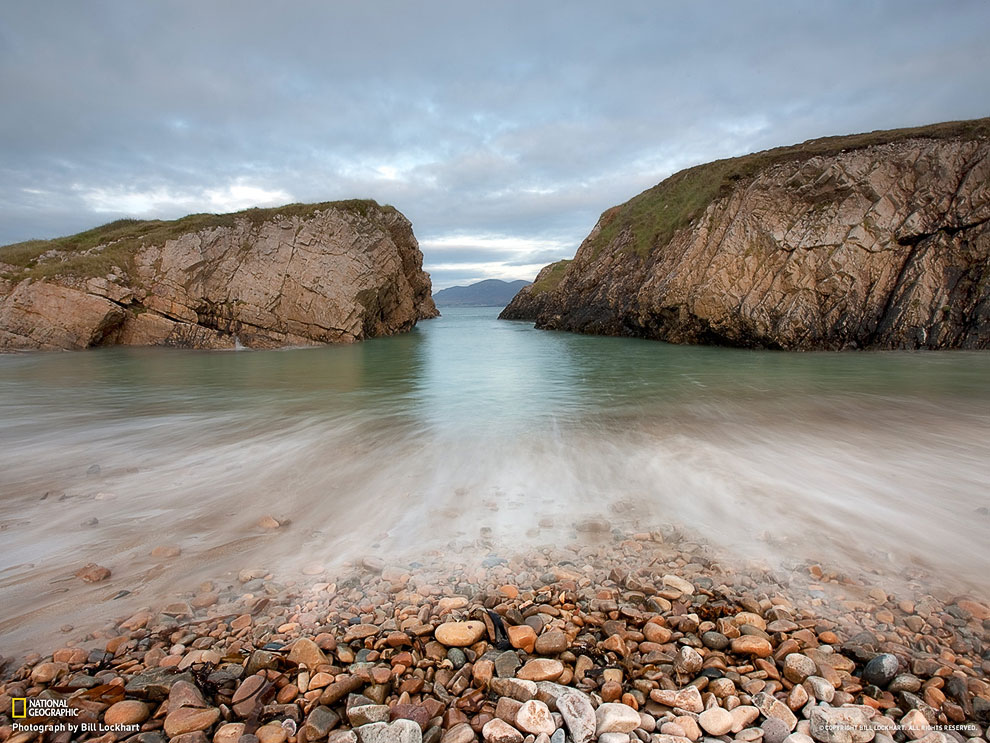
pixel 501 129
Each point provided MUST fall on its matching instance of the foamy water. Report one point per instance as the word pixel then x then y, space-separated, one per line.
pixel 477 433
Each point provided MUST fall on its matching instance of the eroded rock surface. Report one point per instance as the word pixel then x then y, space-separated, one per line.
pixel 849 242
pixel 336 274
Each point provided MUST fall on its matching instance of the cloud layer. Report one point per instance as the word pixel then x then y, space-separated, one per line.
pixel 502 130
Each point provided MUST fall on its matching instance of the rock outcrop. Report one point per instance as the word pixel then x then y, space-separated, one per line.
pixel 868 241
pixel 531 300
pixel 299 275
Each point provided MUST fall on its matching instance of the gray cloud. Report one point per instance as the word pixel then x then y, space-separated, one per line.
pixel 515 120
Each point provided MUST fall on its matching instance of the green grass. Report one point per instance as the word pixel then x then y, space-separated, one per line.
pixel 656 214
pixel 98 251
pixel 550 281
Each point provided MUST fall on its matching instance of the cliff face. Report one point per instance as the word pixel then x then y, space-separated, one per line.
pixel 300 275
pixel 530 301
pixel 868 241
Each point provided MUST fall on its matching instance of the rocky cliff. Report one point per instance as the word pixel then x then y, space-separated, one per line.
pixel 297 275
pixel 879 240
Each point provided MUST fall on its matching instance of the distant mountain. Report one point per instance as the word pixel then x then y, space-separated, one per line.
pixel 487 293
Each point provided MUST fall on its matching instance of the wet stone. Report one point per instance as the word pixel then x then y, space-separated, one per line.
pixel 460 634
pixel 715 640
pixel 881 670
pixel 457 657
pixel 190 719
pixel 127 712
pixel 306 652
pixel 155 684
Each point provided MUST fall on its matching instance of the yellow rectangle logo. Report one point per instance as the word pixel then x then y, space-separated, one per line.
pixel 18 703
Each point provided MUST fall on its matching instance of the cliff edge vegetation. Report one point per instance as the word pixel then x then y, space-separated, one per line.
pixel 875 240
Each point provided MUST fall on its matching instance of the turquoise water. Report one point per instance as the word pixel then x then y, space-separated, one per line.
pixel 469 424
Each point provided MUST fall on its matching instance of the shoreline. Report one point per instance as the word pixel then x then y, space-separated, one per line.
pixel 657 624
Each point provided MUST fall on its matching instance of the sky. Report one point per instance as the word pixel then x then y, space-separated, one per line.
pixel 501 129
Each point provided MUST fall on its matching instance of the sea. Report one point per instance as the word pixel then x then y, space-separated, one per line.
pixel 474 433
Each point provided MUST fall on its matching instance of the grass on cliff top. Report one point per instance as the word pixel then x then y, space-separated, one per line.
pixel 97 251
pixel 656 214
pixel 550 281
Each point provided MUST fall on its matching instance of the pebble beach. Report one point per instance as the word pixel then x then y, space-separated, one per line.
pixel 616 638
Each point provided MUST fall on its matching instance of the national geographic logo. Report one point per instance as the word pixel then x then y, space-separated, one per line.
pixel 22 708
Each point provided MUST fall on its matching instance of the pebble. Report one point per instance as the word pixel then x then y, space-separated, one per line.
pixel 519 689
pixel 92 573
pixel 499 731
pixel 229 733
pixel 715 640
pixel 771 707
pixel 272 733
pixel 688 699
pixel 615 718
pixel 798 667
pixel 715 721
pixel 688 660
pixel 307 653
pixel 522 637
pixel 460 634
pixel 127 712
pixel 743 716
pixel 541 669
pixel 506 664
pixel 164 551
pixel 363 655
pixel 190 719
pixel 462 732
pixel 820 689
pixel 367 713
pixel 751 645
pixel 551 642
pixel 679 584
pixel 881 670
pixel 534 717
pixel 320 721
pixel 655 632
pixel 579 715
pixel 400 731
pixel 774 730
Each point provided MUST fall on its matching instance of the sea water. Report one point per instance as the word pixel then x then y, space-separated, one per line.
pixel 482 433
